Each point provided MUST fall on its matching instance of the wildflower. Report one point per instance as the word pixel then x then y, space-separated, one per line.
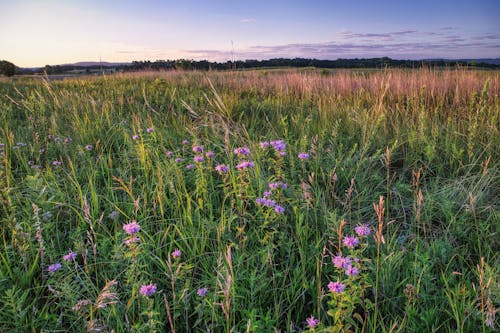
pixel 169 153
pixel 150 130
pixel 351 270
pixel 41 151
pixel 221 168
pixel 131 228
pixel 312 322
pixel 197 149
pixel 70 256
pixel 189 166
pixel 341 262
pixel 278 145
pixel 113 215
pixel 176 253
pixel 303 156
pixel 350 241
pixel 68 140
pixel 245 165
pixel 336 287
pixel 242 151
pixel 135 137
pixel 178 160
pixel 279 209
pixel 148 290
pixel 132 240
pixel 362 230
pixel 56 163
pixel 276 185
pixel 209 154
pixel 265 202
pixel 264 144
pixel 202 292
pixel 89 147
pixel 185 142
pixel 54 267
pixel 267 194
pixel 199 158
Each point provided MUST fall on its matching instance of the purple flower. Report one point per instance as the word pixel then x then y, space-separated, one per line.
pixel 350 241
pixel 265 202
pixel 202 292
pixel 303 156
pixel 221 168
pixel 67 140
pixel 70 256
pixel 351 270
pixel 176 253
pixel 209 154
pixel 54 267
pixel 135 137
pixel 242 151
pixel 169 153
pixel 341 262
pixel 189 166
pixel 150 130
pixel 336 287
pixel 185 142
pixel 178 160
pixel 362 230
pixel 278 145
pixel 148 290
pixel 56 163
pixel 199 158
pixel 264 144
pixel 267 194
pixel 279 209
pixel 312 322
pixel 245 165
pixel 132 240
pixel 131 228
pixel 197 149
pixel 89 147
pixel 276 185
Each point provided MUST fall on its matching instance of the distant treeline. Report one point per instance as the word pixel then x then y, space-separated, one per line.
pixel 383 62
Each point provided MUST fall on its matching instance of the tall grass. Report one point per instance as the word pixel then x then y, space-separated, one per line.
pixel 412 154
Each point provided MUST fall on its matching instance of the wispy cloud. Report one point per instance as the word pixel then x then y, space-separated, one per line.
pixel 407 44
pixel 248 20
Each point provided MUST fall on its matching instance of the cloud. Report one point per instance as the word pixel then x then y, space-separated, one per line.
pixel 405 44
pixel 248 20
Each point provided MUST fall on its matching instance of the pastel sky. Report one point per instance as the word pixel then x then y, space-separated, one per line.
pixel 36 33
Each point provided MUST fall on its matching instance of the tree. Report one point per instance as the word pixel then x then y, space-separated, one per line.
pixel 7 68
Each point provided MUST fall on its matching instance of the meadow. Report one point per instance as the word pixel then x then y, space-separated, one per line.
pixel 251 201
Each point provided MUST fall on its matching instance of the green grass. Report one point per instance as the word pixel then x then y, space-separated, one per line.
pixel 426 141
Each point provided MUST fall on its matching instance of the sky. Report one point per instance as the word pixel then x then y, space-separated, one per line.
pixel 37 33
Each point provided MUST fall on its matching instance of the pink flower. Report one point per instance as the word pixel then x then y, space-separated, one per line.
pixel 279 209
pixel 341 262
pixel 362 230
pixel 131 228
pixel 197 149
pixel 185 142
pixel 264 144
pixel 89 147
pixel 132 240
pixel 176 253
pixel 312 322
pixel 221 168
pixel 245 165
pixel 351 270
pixel 190 166
pixel 148 290
pixel 199 158
pixel 350 241
pixel 150 130
pixel 209 154
pixel 70 256
pixel 135 137
pixel 242 151
pixel 169 153
pixel 178 160
pixel 303 156
pixel 336 287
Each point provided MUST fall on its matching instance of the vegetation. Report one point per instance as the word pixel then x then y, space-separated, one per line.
pixel 256 201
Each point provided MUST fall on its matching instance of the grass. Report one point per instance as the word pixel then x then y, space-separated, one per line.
pixel 412 154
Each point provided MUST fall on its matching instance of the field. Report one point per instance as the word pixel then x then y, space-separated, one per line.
pixel 251 201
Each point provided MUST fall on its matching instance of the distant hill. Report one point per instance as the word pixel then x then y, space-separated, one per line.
pixel 96 64
pixel 492 61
